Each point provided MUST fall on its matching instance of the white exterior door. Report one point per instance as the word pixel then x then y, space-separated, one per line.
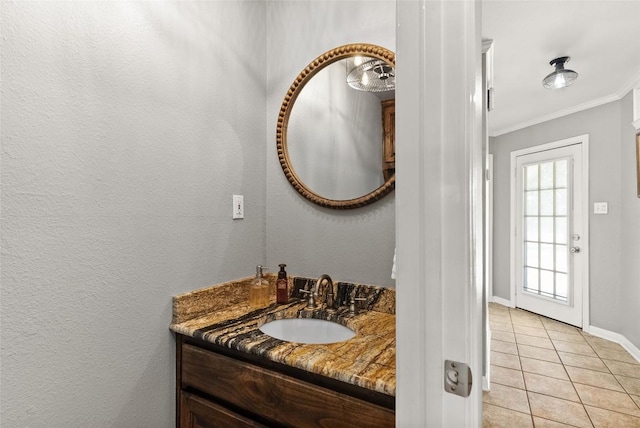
pixel 550 231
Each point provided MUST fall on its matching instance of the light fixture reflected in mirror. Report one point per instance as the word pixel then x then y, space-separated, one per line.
pixel 561 77
pixel 370 74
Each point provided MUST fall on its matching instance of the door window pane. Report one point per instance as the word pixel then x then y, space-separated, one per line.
pixel 546 282
pixel 546 256
pixel 532 202
pixel 561 202
pixel 561 286
pixel 532 229
pixel 561 258
pixel 531 256
pixel 561 173
pixel 531 177
pixel 546 229
pixel 546 175
pixel 546 202
pixel 561 230
pixel 531 280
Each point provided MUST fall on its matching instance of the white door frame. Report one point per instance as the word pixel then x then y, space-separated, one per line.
pixel 439 177
pixel 583 140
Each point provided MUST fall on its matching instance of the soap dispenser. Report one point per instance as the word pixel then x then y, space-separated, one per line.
pixel 282 286
pixel 259 290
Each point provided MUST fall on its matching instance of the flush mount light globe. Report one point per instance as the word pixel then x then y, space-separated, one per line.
pixel 370 74
pixel 561 77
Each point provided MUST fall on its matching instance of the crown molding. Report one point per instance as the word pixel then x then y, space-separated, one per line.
pixel 555 115
pixel 633 83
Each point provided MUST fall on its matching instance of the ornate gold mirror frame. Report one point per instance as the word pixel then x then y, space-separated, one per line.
pixel 313 68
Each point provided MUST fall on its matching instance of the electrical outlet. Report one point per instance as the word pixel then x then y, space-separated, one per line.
pixel 238 207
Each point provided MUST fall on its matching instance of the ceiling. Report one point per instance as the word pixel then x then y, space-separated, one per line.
pixel 602 37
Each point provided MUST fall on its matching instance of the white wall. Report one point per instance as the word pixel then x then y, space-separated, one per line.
pixel 352 245
pixel 614 237
pixel 126 128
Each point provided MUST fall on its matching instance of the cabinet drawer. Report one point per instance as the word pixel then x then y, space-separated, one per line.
pixel 275 396
pixel 196 412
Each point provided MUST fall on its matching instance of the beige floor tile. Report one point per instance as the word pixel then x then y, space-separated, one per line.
pixel 574 348
pixel 508 377
pixel 615 354
pixel 543 368
pixel 567 337
pixel 526 321
pixel 550 386
pixel 501 359
pixel 636 398
pixel 630 384
pixel 521 313
pixel 506 347
pixel 504 319
pixel 538 353
pixel 598 342
pixel 607 419
pixel 499 417
pixel 583 361
pixel 552 325
pixel 558 410
pixel 607 399
pixel 507 397
pixel 593 378
pixel 530 331
pixel 497 308
pixel 622 368
pixel 540 342
pixel 546 423
pixel 505 336
pixel 500 326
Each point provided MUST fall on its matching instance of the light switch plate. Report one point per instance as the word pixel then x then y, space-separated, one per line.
pixel 600 207
pixel 238 207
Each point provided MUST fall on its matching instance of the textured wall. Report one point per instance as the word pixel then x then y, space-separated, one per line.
pixel 630 251
pixel 603 126
pixel 126 128
pixel 352 245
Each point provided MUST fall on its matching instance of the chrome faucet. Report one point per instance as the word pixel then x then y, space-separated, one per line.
pixel 329 299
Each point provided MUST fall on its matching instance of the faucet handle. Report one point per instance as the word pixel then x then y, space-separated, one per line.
pixel 352 304
pixel 311 304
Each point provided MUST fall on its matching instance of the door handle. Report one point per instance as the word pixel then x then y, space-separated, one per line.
pixel 575 249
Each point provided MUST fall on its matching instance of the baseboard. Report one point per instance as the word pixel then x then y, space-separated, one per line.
pixel 618 338
pixel 503 302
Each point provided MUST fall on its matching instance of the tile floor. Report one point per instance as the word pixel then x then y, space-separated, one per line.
pixel 548 374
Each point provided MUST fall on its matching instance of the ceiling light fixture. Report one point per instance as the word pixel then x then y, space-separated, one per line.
pixel 370 74
pixel 561 77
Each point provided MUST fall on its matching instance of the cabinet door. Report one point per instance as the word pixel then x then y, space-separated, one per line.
pixel 196 412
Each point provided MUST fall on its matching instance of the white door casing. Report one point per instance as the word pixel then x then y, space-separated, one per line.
pixel 438 210
pixel 548 277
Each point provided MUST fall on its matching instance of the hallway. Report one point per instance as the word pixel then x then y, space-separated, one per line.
pixel 548 374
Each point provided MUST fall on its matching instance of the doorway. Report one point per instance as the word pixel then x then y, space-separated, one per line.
pixel 550 239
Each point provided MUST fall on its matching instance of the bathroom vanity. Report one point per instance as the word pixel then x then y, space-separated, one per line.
pixel 230 373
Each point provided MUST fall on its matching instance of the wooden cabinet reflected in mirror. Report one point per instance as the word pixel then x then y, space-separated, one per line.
pixel 389 138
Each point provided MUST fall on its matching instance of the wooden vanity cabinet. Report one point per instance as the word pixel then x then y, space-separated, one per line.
pixel 216 388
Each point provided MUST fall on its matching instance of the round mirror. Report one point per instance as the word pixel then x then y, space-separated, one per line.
pixel 335 133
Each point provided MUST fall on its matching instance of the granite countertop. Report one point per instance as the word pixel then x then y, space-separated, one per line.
pixel 221 315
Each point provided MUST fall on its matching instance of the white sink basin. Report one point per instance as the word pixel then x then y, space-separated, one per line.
pixel 307 330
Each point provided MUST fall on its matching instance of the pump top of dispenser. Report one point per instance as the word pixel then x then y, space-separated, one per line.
pixel 259 269
pixel 282 266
